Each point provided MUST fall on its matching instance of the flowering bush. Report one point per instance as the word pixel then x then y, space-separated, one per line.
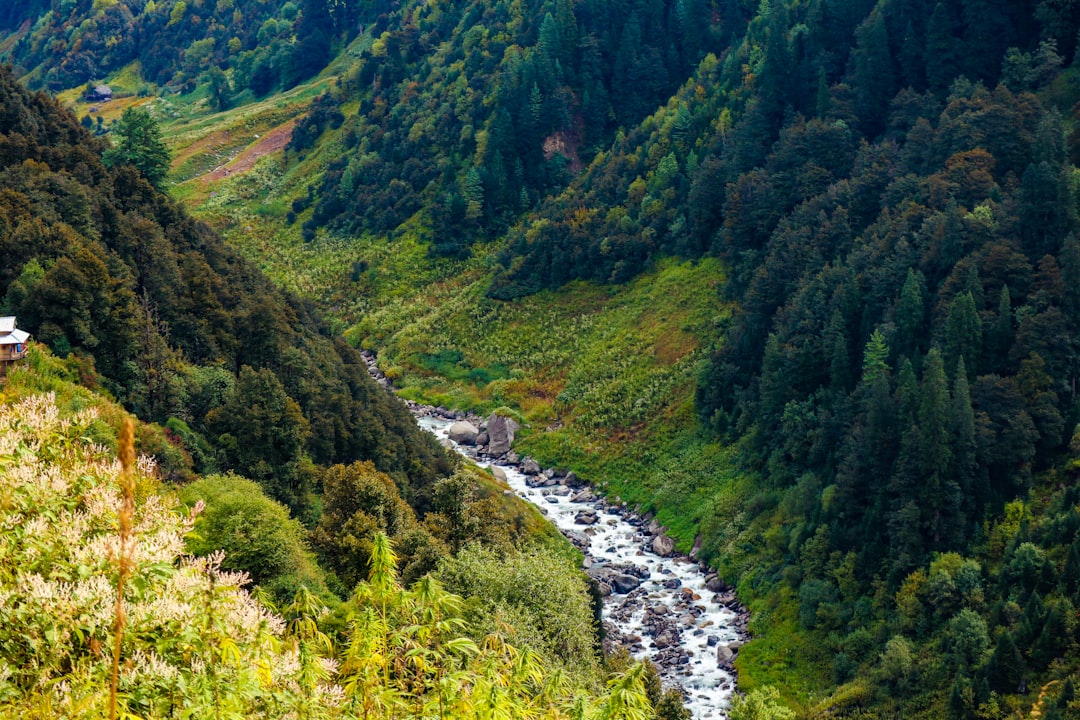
pixel 193 642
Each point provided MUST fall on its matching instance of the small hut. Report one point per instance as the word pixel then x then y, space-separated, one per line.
pixel 12 343
pixel 99 94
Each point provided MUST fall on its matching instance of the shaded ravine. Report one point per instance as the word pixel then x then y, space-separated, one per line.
pixel 658 604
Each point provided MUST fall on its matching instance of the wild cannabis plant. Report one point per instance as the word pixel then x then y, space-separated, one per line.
pixel 102 614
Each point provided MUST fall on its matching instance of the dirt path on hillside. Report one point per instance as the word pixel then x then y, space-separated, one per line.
pixel 271 142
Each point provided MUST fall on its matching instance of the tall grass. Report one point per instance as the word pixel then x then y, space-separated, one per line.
pixel 126 451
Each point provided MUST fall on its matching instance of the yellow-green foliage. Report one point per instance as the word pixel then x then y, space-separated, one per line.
pixel 537 592
pixel 195 643
pixel 256 534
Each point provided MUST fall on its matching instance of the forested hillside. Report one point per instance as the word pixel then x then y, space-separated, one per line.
pixel 349 617
pixel 105 614
pixel 99 264
pixel 881 449
pixel 891 187
pixel 263 44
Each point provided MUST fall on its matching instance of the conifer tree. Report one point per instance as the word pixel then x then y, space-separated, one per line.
pixel 139 144
pixel 942 50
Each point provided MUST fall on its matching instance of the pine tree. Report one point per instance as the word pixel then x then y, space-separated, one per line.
pixel 1000 335
pixel 942 51
pixel 139 144
pixel 874 78
pixel 939 496
pixel 962 433
pixel 910 315
pixel 963 333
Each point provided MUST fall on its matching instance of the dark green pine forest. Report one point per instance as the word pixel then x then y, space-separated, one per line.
pixel 891 187
pixel 153 309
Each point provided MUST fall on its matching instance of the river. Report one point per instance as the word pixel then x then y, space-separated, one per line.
pixel 661 608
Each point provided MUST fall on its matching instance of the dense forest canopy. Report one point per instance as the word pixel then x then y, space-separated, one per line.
pixel 100 264
pixel 891 186
pixel 178 43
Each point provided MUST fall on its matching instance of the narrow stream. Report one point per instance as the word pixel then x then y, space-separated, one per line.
pixel 666 609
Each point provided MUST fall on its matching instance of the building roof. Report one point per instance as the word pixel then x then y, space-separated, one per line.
pixel 15 337
pixel 9 335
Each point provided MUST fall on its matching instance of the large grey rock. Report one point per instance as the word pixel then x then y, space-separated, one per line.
pixel 664 640
pixel 482 439
pixel 715 584
pixel 624 584
pixel 463 433
pixel 531 467
pixel 573 480
pixel 663 546
pixel 501 433
pixel 724 656
pixel 498 472
pixel 586 517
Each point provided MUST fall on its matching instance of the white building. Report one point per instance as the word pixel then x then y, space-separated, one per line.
pixel 12 341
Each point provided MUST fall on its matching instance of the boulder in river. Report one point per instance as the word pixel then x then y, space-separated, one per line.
pixel 463 433
pixel 498 472
pixel 663 546
pixel 501 433
pixel 483 438
pixel 573 480
pixel 724 656
pixel 586 517
pixel 623 584
pixel 715 584
pixel 664 640
pixel 531 467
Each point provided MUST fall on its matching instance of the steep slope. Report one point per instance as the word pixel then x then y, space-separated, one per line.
pixel 899 221
pixel 99 264
pixel 885 193
pixel 104 613
pixel 263 44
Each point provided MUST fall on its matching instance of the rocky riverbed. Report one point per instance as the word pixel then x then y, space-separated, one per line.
pixel 658 604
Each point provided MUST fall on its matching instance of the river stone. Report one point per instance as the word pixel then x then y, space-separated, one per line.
pixel 624 584
pixel 501 431
pixel 663 545
pixel 463 433
pixel 530 467
pixel 724 656
pixel 585 517
pixel 498 472
pixel 715 584
pixel 483 438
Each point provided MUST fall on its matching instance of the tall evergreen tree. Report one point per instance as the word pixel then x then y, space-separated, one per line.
pixel 139 144
pixel 943 50
pixel 963 333
pixel 874 78
pixel 939 495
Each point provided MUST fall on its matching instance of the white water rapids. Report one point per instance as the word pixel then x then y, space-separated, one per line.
pixel 672 604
